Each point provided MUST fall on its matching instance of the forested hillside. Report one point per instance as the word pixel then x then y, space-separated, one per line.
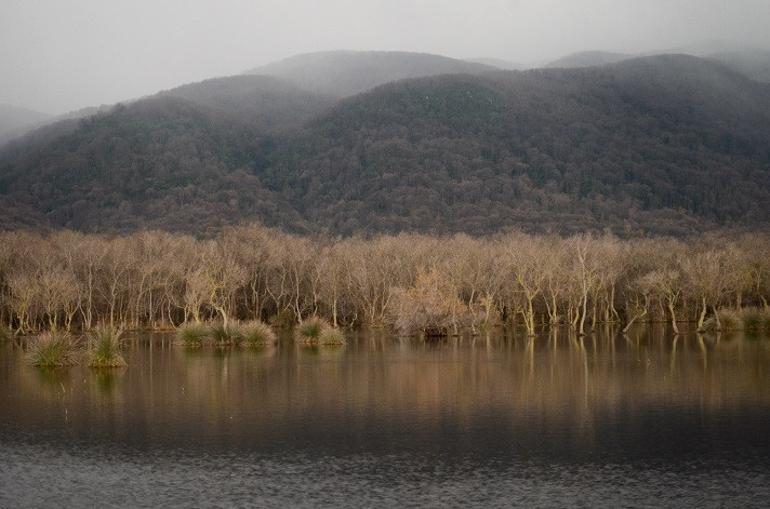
pixel 183 159
pixel 669 144
pixel 656 143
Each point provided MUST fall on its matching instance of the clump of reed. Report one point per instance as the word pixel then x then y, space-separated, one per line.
pixel 216 333
pixel 331 336
pixel 104 348
pixel 750 319
pixel 316 331
pixel 221 335
pixel 192 334
pixel 52 349
pixel 257 333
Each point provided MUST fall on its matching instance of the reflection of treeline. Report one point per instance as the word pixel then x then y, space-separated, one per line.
pixel 416 283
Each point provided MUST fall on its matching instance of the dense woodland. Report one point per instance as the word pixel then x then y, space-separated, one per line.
pixel 668 145
pixel 413 283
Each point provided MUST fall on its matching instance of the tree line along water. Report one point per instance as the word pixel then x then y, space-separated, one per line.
pixel 412 283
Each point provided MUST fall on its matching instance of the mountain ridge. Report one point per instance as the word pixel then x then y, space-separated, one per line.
pixel 669 144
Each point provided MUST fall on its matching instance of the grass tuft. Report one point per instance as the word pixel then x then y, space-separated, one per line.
pixel 224 336
pixel 316 331
pixel 192 334
pixel 310 330
pixel 257 333
pixel 52 349
pixel 104 348
pixel 331 336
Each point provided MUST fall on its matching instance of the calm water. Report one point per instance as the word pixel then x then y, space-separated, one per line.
pixel 498 421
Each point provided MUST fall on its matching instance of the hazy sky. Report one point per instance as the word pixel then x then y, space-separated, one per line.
pixel 59 55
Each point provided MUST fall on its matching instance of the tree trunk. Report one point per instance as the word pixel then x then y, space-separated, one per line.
pixel 673 318
pixel 633 319
pixel 702 317
pixel 716 317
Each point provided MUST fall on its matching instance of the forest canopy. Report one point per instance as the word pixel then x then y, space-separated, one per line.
pixel 667 145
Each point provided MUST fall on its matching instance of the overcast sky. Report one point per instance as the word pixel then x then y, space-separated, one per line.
pixel 59 55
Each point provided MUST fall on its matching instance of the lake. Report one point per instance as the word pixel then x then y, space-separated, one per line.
pixel 602 421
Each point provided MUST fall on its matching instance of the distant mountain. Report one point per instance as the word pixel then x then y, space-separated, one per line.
pixel 754 63
pixel 15 121
pixel 588 59
pixel 668 144
pixel 345 73
pixel 498 63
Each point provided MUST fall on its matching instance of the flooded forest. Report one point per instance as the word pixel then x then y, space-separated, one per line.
pixel 410 283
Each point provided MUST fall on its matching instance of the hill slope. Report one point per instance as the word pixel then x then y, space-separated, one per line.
pixel 662 144
pixel 179 160
pixel 653 143
pixel 345 73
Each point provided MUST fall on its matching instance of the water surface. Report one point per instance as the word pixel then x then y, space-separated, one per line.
pixel 495 420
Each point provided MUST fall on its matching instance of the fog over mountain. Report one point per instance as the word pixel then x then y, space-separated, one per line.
pixel 15 121
pixel 57 56
pixel 344 73
pixel 588 59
